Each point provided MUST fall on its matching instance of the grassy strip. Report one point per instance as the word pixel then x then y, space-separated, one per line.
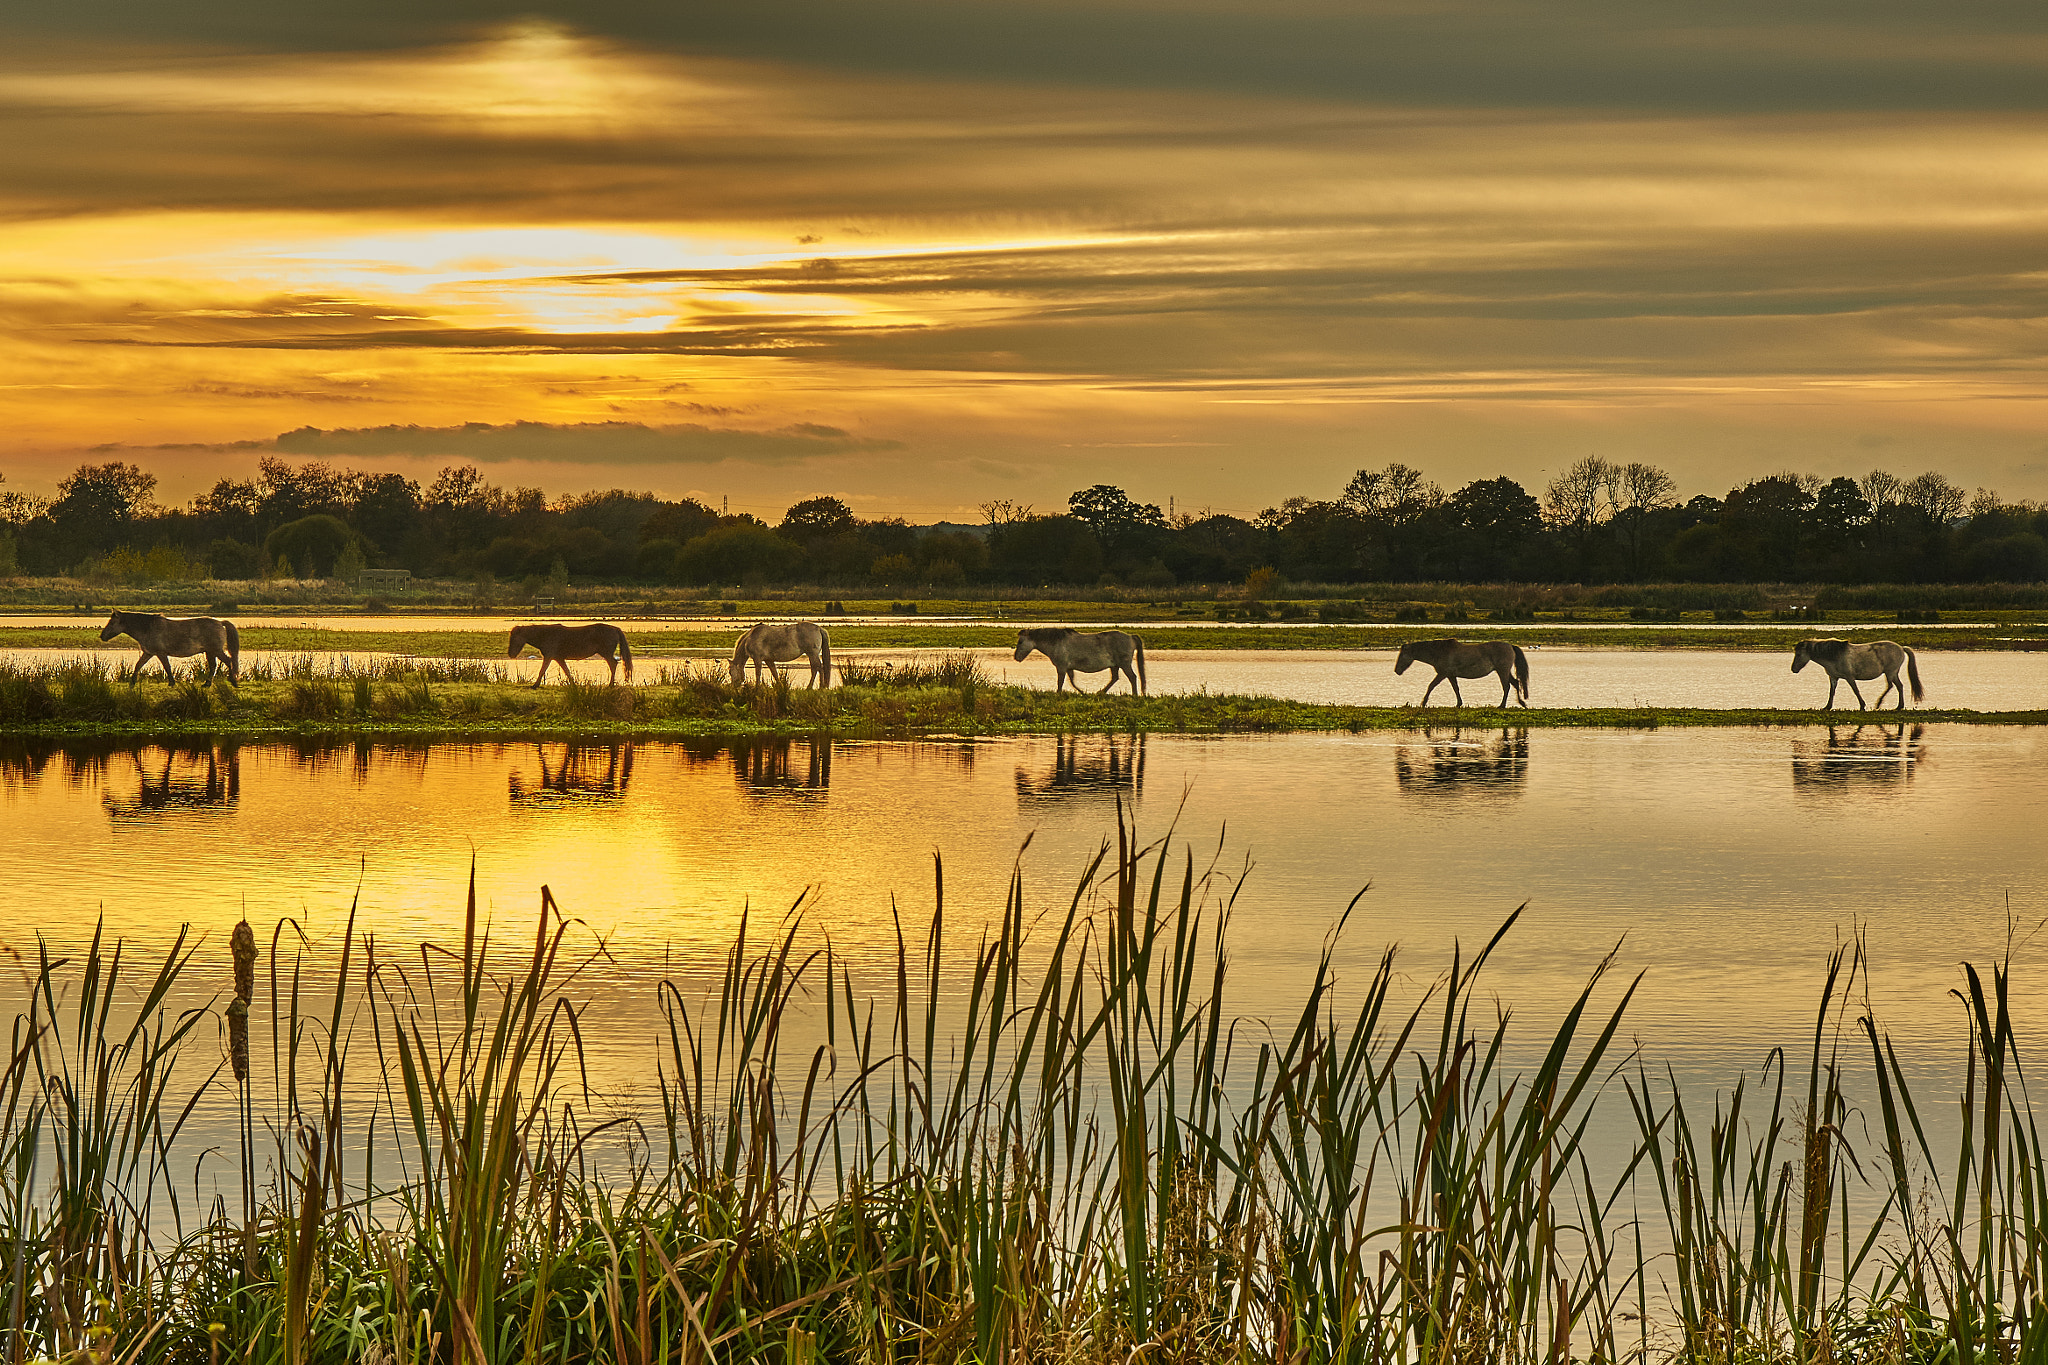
pixel 698 704
pixel 1062 1143
pixel 654 638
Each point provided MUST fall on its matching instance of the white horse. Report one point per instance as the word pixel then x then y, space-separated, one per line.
pixel 779 643
pixel 1846 662
pixel 1073 651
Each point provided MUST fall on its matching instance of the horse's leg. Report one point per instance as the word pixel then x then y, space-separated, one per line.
pixel 1112 680
pixel 1861 704
pixel 1507 685
pixel 613 661
pixel 1891 680
pixel 1431 688
pixel 545 660
pixel 1833 683
pixel 169 676
pixel 1454 690
pixel 135 674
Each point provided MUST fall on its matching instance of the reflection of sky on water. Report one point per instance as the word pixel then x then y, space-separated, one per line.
pixel 1723 878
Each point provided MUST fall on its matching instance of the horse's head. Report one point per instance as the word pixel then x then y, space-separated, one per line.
pixel 739 670
pixel 113 627
pixel 1803 654
pixel 518 642
pixel 1024 645
pixel 1404 658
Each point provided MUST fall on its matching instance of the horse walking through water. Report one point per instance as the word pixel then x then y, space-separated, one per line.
pixel 1074 651
pixel 559 643
pixel 782 642
pixel 1454 660
pixel 179 637
pixel 1846 662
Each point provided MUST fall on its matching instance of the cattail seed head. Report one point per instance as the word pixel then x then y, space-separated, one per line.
pixel 243 945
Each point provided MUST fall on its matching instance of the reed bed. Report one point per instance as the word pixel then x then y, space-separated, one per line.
pixel 1058 1142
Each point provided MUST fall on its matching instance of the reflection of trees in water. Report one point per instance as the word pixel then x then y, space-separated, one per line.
pixel 26 762
pixel 1463 763
pixel 575 772
pixel 180 780
pixel 1103 765
pixel 1858 757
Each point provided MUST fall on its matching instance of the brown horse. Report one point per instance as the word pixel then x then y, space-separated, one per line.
pixel 168 637
pixel 1454 660
pixel 559 643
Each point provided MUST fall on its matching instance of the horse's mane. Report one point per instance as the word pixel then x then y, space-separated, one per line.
pixel 1048 632
pixel 1828 650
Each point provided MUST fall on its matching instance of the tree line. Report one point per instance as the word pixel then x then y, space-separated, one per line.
pixel 1597 522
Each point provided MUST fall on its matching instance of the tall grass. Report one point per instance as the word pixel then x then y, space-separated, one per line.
pixel 1058 1139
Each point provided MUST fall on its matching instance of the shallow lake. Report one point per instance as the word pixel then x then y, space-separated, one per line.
pixel 1982 680
pixel 1724 863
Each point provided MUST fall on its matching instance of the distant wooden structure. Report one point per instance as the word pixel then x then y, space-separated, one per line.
pixel 384 580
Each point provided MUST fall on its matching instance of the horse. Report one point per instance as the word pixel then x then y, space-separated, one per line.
pixel 559 643
pixel 780 643
pixel 180 637
pixel 1454 660
pixel 1846 662
pixel 1074 651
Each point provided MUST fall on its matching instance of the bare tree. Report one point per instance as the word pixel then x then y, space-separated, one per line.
pixel 1002 512
pixel 1934 497
pixel 1879 489
pixel 1635 490
pixel 1575 503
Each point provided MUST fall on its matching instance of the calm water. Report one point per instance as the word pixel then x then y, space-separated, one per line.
pixel 1980 680
pixel 1725 863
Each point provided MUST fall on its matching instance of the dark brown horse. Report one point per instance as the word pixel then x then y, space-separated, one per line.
pixel 180 637
pixel 1454 660
pixel 559 643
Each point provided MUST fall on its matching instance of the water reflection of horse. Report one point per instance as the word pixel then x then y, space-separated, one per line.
pixel 1846 662
pixel 585 772
pixel 1102 765
pixel 764 765
pixel 1864 757
pixel 167 637
pixel 1454 765
pixel 211 780
pixel 1454 659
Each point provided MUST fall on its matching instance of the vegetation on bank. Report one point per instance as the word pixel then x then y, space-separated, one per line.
pixel 948 694
pixel 1065 1142
pixel 1595 521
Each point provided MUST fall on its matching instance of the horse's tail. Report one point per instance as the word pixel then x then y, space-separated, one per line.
pixel 1138 654
pixel 625 653
pixel 1521 673
pixel 234 640
pixel 825 655
pixel 1913 674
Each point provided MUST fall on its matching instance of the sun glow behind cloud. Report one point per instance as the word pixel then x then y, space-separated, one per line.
pixel 541 222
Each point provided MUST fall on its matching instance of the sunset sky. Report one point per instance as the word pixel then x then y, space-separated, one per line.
pixel 924 253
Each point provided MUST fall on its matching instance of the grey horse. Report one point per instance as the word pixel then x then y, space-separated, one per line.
pixel 1074 651
pixel 780 642
pixel 1454 660
pixel 179 637
pixel 559 643
pixel 1846 662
